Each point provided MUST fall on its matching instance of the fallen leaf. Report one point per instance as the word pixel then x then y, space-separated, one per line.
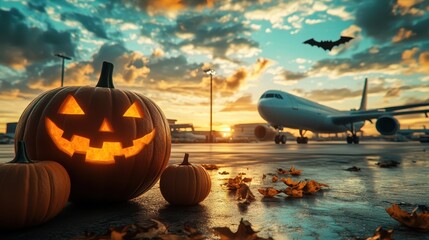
pixel 300 185
pixel 282 171
pixel 233 183
pixel 244 193
pixel 294 192
pixel 289 182
pixel 294 172
pixel 244 232
pixel 311 187
pixel 268 192
pixel 388 164
pixel 210 166
pixel 146 229
pixel 275 178
pixel 415 220
pixel 247 179
pixel 381 234
pixel 353 169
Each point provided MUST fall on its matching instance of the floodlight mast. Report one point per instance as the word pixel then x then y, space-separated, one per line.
pixel 211 72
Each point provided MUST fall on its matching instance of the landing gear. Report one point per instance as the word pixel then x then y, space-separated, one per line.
pixel 353 138
pixel 302 139
pixel 280 138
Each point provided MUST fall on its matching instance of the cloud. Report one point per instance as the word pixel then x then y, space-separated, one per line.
pixel 23 45
pixel 340 12
pixel 169 7
pixel 207 34
pixel 368 17
pixel 129 65
pixel 260 65
pixel 377 87
pixel 412 7
pixel 293 76
pixel 414 26
pixel 241 104
pixel 91 23
pixel 313 21
pixel 402 34
pixel 164 75
pixel 353 31
pixel 173 69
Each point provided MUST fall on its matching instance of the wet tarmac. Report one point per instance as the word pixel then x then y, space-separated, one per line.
pixel 352 208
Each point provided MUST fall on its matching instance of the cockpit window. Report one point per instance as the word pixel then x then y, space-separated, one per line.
pixel 272 95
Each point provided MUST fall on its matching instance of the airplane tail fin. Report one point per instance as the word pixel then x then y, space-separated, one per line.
pixel 364 96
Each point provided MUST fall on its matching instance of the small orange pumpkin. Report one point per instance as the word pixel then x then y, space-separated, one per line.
pixel 185 183
pixel 31 192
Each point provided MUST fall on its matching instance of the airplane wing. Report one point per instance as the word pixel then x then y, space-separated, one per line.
pixel 370 114
pixel 395 108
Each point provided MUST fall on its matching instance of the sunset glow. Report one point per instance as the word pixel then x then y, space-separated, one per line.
pixel 160 49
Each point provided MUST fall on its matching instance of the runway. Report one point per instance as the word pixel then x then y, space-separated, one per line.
pixel 351 208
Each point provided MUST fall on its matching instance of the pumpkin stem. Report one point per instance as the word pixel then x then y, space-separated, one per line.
pixel 21 154
pixel 185 159
pixel 105 79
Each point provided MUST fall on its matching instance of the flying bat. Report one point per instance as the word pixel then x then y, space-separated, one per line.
pixel 328 45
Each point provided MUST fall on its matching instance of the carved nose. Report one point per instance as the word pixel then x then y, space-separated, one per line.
pixel 105 126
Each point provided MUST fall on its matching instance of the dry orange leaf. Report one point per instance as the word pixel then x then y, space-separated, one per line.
pixel 301 185
pixel 247 179
pixel 275 178
pixel 244 193
pixel 294 192
pixel 415 220
pixel 381 234
pixel 289 182
pixel 210 166
pixel 268 192
pixel 282 171
pixel 233 183
pixel 244 232
pixel 294 172
pixel 146 229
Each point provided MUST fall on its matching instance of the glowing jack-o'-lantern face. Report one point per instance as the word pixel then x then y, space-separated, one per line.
pixel 113 143
pixel 81 144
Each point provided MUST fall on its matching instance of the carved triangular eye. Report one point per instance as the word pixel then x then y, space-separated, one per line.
pixel 134 111
pixel 71 107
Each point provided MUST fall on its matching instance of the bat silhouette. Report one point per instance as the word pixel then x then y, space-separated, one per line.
pixel 328 45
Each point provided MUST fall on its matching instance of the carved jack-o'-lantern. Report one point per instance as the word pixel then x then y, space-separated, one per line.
pixel 113 143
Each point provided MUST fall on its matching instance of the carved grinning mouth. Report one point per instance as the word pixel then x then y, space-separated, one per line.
pixel 104 155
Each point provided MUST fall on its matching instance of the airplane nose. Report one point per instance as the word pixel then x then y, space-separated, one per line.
pixel 265 108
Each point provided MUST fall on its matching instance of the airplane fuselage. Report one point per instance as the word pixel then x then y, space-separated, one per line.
pixel 281 109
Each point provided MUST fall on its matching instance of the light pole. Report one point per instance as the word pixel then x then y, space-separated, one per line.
pixel 62 71
pixel 211 72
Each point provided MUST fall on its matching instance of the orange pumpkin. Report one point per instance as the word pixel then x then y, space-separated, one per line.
pixel 31 192
pixel 185 183
pixel 114 143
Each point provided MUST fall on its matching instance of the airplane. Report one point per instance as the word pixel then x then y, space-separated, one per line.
pixel 284 110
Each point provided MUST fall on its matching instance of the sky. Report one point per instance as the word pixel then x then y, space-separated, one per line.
pixel 160 48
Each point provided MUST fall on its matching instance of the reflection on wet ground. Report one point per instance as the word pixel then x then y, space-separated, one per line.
pixel 353 207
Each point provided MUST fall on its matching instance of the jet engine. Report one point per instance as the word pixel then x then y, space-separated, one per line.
pixel 265 133
pixel 387 125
